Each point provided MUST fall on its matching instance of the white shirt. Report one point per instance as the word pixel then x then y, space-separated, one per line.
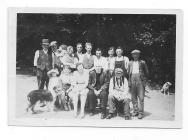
pixel 101 62
pixel 37 56
pixel 80 81
pixel 119 92
pixel 135 69
pixel 54 81
pixel 66 78
pixel 110 62
pixel 80 56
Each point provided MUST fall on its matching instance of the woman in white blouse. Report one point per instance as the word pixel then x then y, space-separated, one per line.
pixel 80 83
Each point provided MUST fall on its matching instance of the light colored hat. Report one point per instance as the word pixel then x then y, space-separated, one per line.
pixel 135 52
pixel 118 71
pixel 62 47
pixel 53 71
pixel 53 43
pixel 45 41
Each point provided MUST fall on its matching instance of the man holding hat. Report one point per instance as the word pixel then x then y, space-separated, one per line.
pixel 43 63
pixel 138 73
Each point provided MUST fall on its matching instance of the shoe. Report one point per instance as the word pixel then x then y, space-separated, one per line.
pixel 103 116
pixel 127 117
pixel 66 108
pixel 82 116
pixel 135 114
pixel 110 116
pixel 140 116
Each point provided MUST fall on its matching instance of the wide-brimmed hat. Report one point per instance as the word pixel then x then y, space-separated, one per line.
pixel 62 47
pixel 53 71
pixel 45 41
pixel 135 52
pixel 53 43
pixel 118 71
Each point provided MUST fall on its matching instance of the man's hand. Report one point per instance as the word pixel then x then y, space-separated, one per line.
pixel 97 92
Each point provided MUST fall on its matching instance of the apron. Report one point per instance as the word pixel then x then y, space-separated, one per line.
pixel 121 64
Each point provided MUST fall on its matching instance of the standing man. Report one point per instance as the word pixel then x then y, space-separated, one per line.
pixel 110 61
pixel 55 54
pixel 98 88
pixel 43 63
pixel 121 61
pixel 99 60
pixel 88 59
pixel 79 55
pixel 138 73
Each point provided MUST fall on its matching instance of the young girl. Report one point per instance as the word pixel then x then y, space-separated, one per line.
pixel 66 80
pixel 80 82
pixel 54 81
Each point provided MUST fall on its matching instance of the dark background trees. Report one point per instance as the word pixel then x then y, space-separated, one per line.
pixel 154 35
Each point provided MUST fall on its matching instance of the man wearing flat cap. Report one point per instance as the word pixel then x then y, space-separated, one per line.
pixel 138 73
pixel 43 63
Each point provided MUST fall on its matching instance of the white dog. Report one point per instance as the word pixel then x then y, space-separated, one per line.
pixel 165 88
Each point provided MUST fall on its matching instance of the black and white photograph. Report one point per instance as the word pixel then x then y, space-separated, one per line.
pixel 94 67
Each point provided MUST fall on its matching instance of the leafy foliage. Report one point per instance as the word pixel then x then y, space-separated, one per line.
pixel 154 35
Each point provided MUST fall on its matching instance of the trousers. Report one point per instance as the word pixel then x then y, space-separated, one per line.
pixel 92 100
pixel 113 102
pixel 42 78
pixel 137 90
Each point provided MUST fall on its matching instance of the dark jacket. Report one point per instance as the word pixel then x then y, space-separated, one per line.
pixel 104 80
pixel 44 61
pixel 143 70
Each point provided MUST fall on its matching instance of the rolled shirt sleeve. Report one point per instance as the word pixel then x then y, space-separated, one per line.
pixel 126 59
pixel 36 57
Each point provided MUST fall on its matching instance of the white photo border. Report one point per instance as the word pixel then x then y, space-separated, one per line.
pixel 12 26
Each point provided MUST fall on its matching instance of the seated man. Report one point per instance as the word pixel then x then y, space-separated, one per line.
pixel 118 94
pixel 98 87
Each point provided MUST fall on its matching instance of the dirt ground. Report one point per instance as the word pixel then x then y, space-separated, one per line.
pixel 157 106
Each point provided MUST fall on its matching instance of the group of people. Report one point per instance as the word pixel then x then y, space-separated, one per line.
pixel 94 80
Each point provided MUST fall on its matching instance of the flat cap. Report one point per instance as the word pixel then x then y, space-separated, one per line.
pixel 135 52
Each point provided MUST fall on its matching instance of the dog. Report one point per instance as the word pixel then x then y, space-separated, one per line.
pixel 38 95
pixel 165 88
